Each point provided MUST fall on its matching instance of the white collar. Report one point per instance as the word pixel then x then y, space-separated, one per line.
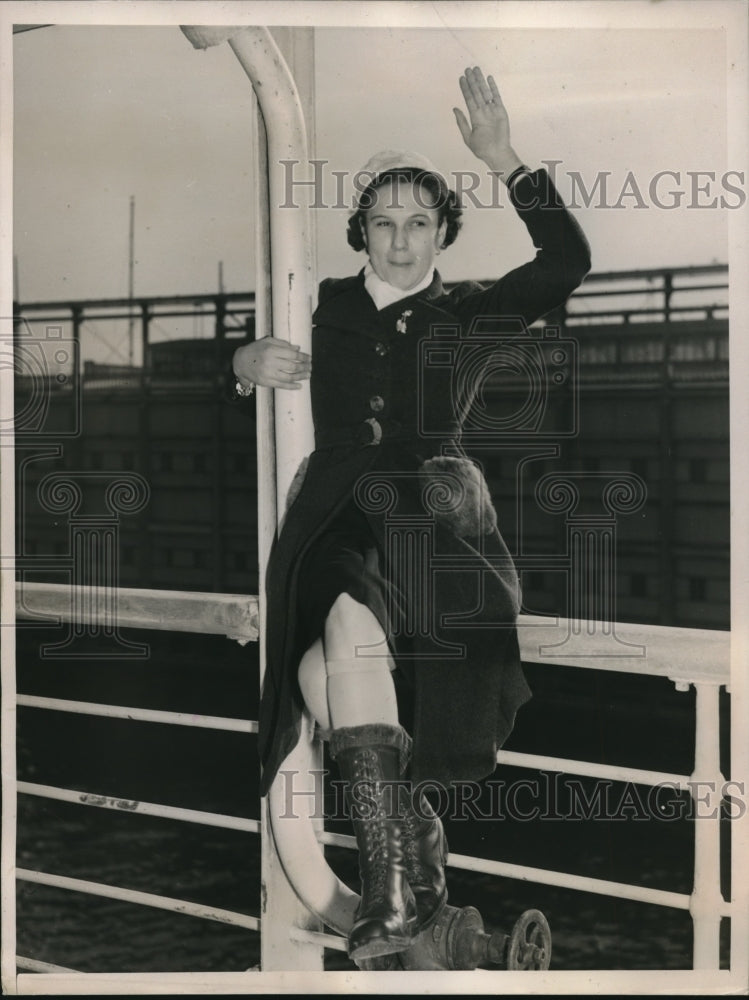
pixel 384 294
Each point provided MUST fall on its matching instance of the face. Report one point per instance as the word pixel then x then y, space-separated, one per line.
pixel 402 233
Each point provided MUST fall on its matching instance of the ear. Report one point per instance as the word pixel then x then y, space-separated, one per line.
pixel 441 234
pixel 363 227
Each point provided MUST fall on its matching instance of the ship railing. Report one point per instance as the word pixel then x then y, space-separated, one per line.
pixel 688 657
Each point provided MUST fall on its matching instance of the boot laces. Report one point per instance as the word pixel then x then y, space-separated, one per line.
pixel 375 845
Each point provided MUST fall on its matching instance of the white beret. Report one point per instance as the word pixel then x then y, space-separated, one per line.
pixel 394 159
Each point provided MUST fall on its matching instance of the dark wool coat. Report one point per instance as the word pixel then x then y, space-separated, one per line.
pixel 383 406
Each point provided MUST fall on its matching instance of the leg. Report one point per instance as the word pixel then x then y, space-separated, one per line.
pixel 313 680
pixel 341 688
pixel 354 696
pixel 361 691
pixel 360 688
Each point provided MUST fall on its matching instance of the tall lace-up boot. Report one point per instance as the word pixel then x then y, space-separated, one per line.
pixel 424 857
pixel 371 759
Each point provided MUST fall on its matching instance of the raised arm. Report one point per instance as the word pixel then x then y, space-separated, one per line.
pixel 563 255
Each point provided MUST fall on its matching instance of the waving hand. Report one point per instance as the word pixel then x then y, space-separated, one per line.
pixel 487 134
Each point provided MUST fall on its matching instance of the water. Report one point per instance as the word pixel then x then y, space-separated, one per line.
pixel 639 722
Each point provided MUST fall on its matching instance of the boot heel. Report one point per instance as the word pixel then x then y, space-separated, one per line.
pixel 379 947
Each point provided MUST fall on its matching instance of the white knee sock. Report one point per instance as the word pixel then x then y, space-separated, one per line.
pixel 361 692
pixel 352 692
pixel 341 688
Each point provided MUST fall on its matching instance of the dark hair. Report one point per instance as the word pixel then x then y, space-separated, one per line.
pixel 445 201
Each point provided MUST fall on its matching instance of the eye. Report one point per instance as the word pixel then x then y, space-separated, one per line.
pixel 381 223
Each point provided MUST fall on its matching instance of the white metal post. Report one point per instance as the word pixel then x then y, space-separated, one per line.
pixel 708 782
pixel 292 288
pixel 281 907
pixel 8 971
pixel 292 277
pixel 284 305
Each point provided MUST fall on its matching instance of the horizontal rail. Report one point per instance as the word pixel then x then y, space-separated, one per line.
pixel 591 293
pixel 139 301
pixel 588 769
pixel 142 898
pixel 566 880
pixel 211 297
pixel 138 714
pixel 687 327
pixel 164 314
pixel 658 272
pixel 672 309
pixel 688 655
pixel 334 941
pixel 545 876
pixel 232 615
pixel 120 804
pixel 624 313
pixel 682 654
pixel 34 965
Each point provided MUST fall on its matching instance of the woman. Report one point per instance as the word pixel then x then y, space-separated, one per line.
pixel 392 598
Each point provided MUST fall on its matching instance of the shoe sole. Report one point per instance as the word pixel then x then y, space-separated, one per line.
pixel 379 947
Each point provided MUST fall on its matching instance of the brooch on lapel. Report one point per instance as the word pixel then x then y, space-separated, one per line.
pixel 400 324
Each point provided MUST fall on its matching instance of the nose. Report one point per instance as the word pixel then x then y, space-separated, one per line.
pixel 400 241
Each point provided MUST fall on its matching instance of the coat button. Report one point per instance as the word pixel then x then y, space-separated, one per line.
pixel 381 349
pixel 376 403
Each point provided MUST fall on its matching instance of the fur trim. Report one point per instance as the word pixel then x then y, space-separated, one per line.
pixel 295 487
pixel 376 734
pixel 455 491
